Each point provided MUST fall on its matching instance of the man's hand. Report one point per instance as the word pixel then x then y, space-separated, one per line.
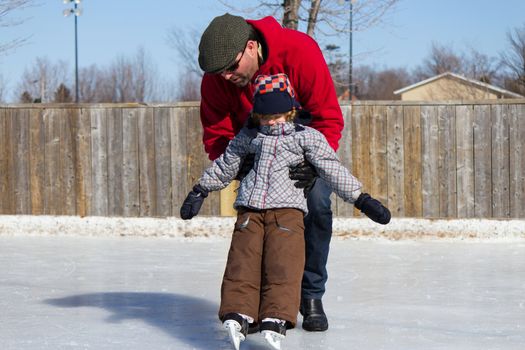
pixel 305 174
pixel 193 202
pixel 373 208
pixel 246 166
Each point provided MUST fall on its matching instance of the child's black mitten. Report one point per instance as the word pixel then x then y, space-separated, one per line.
pixel 193 202
pixel 373 208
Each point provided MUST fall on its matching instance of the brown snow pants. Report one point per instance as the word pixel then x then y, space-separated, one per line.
pixel 265 265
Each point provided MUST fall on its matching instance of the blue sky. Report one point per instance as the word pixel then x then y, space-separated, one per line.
pixel 108 29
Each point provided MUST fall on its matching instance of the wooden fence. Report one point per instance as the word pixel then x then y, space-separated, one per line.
pixel 447 160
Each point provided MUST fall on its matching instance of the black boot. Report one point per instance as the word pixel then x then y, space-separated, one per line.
pixel 314 318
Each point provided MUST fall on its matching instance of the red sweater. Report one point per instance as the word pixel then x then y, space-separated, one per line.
pixel 225 107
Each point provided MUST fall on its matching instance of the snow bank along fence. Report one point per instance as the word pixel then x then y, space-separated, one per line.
pixel 439 159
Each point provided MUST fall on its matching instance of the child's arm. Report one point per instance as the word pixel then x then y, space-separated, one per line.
pixel 217 176
pixel 342 182
pixel 319 153
pixel 224 169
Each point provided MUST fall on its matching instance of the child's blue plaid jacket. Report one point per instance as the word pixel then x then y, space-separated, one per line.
pixel 276 149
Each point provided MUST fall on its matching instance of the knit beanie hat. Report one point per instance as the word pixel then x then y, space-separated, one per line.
pixel 222 41
pixel 273 95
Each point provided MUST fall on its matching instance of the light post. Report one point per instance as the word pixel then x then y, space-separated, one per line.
pixel 76 11
pixel 350 53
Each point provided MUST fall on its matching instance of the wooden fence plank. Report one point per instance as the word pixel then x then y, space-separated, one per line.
pixel 340 207
pixel 194 133
pixel 36 161
pixel 430 160
pixel 361 143
pixel 179 158
pixel 99 162
pixel 67 159
pixel 378 151
pixel 7 162
pixel 115 162
pixel 53 184
pixel 413 199
pixel 148 186
pixel 447 161
pixel 4 159
pixel 517 160
pixel 83 163
pixel 395 169
pixel 482 162
pixel 500 162
pixel 361 146
pixel 130 160
pixel 198 161
pixel 163 161
pixel 465 160
pixel 20 132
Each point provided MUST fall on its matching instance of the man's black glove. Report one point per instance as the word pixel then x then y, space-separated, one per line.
pixel 305 174
pixel 246 166
pixel 373 208
pixel 193 202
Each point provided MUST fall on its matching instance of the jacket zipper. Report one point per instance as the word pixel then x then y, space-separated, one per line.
pixel 270 165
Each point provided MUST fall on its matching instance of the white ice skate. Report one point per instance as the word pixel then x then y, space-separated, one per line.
pixel 273 331
pixel 234 331
pixel 273 339
pixel 237 328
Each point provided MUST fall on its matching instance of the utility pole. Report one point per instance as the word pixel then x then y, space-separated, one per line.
pixel 350 53
pixel 76 11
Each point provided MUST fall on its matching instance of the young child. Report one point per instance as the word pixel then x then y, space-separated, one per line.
pixel 262 280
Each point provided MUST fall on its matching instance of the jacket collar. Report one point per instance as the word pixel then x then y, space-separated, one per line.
pixel 277 129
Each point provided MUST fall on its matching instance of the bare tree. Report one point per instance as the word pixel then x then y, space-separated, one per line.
pixel 320 17
pixel 88 80
pixel 7 7
pixel 3 86
pixel 127 79
pixel 186 43
pixel 471 64
pixel 513 60
pixel 133 78
pixel 441 59
pixel 188 89
pixel 380 85
pixel 43 79
pixel 26 98
pixel 481 67
pixel 291 13
pixel 63 94
pixel 338 67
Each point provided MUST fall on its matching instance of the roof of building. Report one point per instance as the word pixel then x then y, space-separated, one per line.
pixel 478 83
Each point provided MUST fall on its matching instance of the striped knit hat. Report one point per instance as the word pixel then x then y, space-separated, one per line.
pixel 273 94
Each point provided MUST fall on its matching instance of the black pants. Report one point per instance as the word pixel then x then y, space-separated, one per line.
pixel 317 234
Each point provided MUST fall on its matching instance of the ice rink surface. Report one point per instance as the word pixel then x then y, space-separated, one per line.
pixel 65 292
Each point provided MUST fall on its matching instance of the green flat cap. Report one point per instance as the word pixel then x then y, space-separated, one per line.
pixel 222 41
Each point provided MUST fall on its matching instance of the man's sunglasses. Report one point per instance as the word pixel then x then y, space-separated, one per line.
pixel 235 65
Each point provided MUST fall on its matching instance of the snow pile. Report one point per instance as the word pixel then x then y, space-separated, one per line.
pixel 408 228
pixel 206 227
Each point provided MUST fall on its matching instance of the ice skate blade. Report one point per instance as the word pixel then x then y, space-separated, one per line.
pixel 273 339
pixel 236 337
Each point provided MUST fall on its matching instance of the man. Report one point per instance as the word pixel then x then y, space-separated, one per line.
pixel 232 53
